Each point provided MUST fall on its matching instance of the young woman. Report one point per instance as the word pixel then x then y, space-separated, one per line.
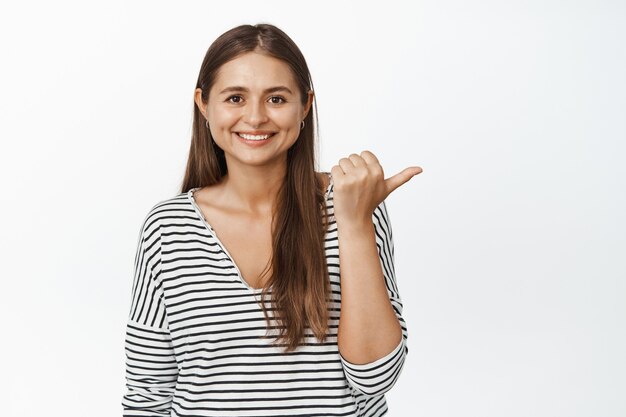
pixel 265 288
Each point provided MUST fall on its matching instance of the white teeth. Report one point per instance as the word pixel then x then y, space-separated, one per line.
pixel 253 137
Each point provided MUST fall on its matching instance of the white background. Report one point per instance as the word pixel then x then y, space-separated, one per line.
pixel 510 246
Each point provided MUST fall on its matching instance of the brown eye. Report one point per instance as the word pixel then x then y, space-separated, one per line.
pixel 279 98
pixel 236 102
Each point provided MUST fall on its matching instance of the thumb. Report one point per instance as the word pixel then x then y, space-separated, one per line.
pixel 400 178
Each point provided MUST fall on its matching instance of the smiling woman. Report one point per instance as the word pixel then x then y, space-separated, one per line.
pixel 239 307
pixel 257 115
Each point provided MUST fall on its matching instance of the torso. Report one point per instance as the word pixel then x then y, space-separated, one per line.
pixel 247 239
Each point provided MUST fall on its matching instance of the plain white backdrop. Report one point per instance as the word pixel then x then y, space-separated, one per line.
pixel 510 246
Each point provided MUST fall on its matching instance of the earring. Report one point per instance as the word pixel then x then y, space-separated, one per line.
pixel 302 126
pixel 207 123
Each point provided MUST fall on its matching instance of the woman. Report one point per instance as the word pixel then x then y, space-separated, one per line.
pixel 237 293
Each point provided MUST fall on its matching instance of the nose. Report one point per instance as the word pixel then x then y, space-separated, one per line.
pixel 255 114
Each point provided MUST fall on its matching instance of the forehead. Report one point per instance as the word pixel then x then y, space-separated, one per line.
pixel 254 71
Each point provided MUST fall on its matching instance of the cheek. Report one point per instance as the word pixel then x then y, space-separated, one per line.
pixel 285 117
pixel 222 118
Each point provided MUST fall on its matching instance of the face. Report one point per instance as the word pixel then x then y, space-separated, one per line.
pixel 257 95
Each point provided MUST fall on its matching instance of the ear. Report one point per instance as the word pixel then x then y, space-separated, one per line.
pixel 197 97
pixel 309 102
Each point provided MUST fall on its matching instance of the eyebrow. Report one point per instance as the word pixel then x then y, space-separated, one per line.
pixel 268 90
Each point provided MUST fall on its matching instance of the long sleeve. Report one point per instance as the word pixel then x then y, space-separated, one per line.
pixel 377 377
pixel 151 368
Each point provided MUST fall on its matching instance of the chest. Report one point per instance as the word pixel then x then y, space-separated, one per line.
pixel 247 241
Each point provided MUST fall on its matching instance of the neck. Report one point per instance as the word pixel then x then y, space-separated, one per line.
pixel 253 189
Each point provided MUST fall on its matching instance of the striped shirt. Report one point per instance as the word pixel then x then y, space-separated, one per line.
pixel 195 337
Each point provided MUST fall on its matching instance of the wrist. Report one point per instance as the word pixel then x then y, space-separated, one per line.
pixel 355 225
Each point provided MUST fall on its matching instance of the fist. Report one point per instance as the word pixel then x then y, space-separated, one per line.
pixel 360 186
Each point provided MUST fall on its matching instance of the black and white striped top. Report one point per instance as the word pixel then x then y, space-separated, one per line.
pixel 195 342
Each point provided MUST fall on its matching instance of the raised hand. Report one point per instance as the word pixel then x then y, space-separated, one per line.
pixel 360 186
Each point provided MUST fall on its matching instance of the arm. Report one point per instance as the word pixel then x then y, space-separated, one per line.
pixel 372 332
pixel 151 369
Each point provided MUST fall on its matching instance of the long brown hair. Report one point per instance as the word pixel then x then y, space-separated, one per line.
pixel 300 286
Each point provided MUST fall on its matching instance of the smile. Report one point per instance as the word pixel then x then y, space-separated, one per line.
pixel 254 140
pixel 255 137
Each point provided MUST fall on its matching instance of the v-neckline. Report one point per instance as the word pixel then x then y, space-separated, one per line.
pixel 199 213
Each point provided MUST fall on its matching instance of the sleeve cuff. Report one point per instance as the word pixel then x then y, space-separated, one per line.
pixel 374 365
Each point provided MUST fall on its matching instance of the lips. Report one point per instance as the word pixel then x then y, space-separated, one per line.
pixel 255 136
pixel 255 142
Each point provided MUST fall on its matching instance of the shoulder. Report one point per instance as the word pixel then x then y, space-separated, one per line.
pixel 324 178
pixel 160 211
